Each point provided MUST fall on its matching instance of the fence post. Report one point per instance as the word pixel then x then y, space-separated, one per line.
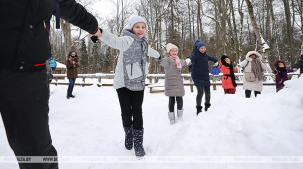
pixel 191 86
pixel 99 80
pixel 83 80
pixel 214 85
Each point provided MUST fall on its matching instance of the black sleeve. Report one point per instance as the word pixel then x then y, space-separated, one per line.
pixel 76 14
pixel 299 64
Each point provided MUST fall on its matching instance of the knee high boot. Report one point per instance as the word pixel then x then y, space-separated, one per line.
pixel 180 114
pixel 171 116
pixel 128 137
pixel 138 142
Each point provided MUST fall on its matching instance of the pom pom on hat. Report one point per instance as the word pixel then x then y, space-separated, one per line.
pixel 133 19
pixel 199 44
pixel 170 46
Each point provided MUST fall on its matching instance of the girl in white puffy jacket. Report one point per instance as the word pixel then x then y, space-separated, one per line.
pixel 129 81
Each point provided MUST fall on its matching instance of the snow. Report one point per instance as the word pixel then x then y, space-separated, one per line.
pixel 60 65
pixel 90 125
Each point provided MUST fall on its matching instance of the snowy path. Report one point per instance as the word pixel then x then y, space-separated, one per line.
pixel 90 125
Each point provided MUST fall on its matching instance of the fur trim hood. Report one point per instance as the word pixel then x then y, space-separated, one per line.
pixel 278 61
pixel 258 55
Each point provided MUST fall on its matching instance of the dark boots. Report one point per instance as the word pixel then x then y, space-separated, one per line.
pixel 207 105
pixel 138 142
pixel 70 95
pixel 199 109
pixel 128 137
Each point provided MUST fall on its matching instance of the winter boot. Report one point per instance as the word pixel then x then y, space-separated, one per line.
pixel 68 95
pixel 180 114
pixel 171 117
pixel 138 142
pixel 71 95
pixel 199 109
pixel 128 137
pixel 207 105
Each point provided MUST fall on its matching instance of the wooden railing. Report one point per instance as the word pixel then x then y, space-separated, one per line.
pixel 154 78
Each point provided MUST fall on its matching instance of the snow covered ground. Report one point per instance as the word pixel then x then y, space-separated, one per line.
pixel 90 125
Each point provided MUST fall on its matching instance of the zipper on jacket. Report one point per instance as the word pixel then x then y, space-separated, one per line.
pixel 131 70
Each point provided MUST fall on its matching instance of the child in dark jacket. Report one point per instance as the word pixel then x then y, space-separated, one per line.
pixel 228 79
pixel 280 74
pixel 200 73
pixel 299 65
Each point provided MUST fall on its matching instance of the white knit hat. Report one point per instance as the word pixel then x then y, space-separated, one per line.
pixel 170 46
pixel 133 19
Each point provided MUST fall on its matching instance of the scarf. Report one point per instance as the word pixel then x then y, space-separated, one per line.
pixel 281 71
pixel 73 61
pixel 177 61
pixel 256 67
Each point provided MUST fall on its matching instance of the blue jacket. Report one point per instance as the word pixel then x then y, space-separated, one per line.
pixel 200 70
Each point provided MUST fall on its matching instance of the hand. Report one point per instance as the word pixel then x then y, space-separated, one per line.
pixel 178 63
pixel 295 69
pixel 95 37
pixel 158 60
pixel 216 64
pixel 188 61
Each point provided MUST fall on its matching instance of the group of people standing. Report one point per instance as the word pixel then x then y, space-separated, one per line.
pixel 253 72
pixel 25 48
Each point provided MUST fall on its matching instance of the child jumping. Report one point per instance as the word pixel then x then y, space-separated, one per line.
pixel 200 73
pixel 228 79
pixel 129 81
pixel 174 87
pixel 280 74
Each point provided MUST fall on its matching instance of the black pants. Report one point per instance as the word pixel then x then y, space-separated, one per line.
pixel 131 107
pixel 24 110
pixel 248 93
pixel 171 104
pixel 201 90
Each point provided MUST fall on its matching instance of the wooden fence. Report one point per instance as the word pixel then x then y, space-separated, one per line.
pixel 152 80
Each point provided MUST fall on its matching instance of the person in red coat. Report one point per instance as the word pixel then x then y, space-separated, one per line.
pixel 228 79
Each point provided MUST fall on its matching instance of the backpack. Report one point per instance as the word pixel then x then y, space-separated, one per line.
pixel 215 70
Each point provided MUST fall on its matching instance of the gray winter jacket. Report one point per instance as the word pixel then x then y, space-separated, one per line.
pixel 256 85
pixel 173 80
pixel 132 65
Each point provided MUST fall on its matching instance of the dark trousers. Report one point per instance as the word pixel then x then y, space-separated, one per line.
pixel 24 109
pixel 248 93
pixel 229 91
pixel 201 90
pixel 171 104
pixel 131 107
pixel 71 85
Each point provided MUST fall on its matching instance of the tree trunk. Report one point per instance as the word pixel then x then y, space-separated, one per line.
pixel 67 37
pixel 189 18
pixel 289 32
pixel 253 22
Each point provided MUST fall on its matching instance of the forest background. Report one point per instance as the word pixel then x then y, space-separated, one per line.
pixel 231 27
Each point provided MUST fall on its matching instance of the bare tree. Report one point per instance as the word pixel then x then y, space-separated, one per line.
pixel 289 31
